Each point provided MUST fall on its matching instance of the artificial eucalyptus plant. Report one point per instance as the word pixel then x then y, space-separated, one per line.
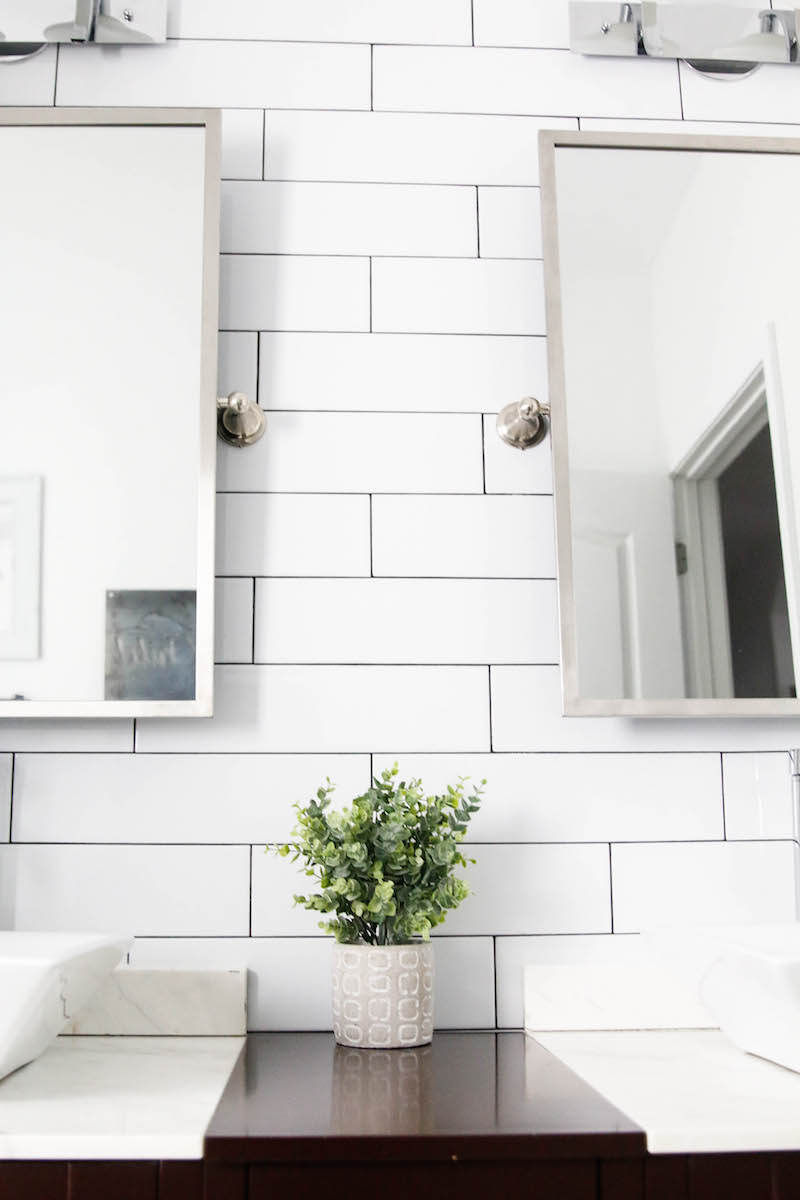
pixel 384 865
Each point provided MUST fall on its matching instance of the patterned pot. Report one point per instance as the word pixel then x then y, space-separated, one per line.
pixel 383 995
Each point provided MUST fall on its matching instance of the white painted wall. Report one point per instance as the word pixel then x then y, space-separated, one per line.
pixel 167 840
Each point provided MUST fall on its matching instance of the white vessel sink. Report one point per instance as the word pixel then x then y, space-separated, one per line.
pixel 45 979
pixel 752 987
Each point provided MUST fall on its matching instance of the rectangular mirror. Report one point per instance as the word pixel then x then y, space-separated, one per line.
pixel 108 318
pixel 671 268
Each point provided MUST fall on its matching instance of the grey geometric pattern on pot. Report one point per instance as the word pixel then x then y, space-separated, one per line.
pixel 383 995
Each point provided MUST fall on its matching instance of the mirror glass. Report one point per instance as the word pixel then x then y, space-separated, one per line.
pixel 676 439
pixel 106 460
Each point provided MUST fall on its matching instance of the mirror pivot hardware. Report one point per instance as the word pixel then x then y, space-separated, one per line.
pixel 523 423
pixel 240 421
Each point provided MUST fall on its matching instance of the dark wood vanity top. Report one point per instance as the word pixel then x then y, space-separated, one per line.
pixel 466 1097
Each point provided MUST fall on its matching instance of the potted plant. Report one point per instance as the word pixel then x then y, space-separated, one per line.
pixel 384 869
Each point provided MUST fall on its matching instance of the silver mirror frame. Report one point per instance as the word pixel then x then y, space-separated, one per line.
pixel 210 121
pixel 575 705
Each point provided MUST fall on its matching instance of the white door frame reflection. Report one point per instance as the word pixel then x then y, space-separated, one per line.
pixel 607 537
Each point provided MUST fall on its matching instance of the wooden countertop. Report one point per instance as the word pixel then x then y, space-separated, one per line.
pixel 298 1097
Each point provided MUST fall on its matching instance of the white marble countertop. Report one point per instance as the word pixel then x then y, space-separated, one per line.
pixel 115 1098
pixel 692 1091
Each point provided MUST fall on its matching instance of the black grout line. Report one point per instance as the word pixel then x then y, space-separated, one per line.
pixel 494 970
pixel 471 752
pixel 399 183
pixel 478 219
pixel 329 494
pixel 611 886
pixel 403 578
pixel 371 548
pixel 722 790
pixel 483 452
pixel 560 843
pixel 253 630
pixel 680 87
pixel 346 257
pixel 472 32
pixel 55 76
pixel 11 796
pixel 372 78
pixel 389 332
pixel 370 294
pixel 250 908
pixel 133 747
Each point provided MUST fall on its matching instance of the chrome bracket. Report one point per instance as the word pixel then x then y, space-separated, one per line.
pixel 524 423
pixel 240 421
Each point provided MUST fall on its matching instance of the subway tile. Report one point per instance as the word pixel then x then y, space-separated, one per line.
pixel 289 979
pixel 520 23
pixel 768 95
pixel 259 534
pixel 65 733
pixel 305 709
pixel 483 536
pixel 417 295
pixel 172 798
pixel 6 769
pixel 358 452
pixel 409 21
pixel 527 715
pixel 242 143
pixel 31 81
pixel 535 889
pixel 217 74
pixel 177 890
pixel 758 796
pixel 406 147
pixel 510 222
pixel 233 621
pixel 463 995
pixel 238 364
pixel 581 797
pixel 537 82
pixel 294 292
pixel 348 218
pixel 514 954
pixel 510 471
pixel 658 886
pixel 397 371
pixel 405 621
pixel 275 883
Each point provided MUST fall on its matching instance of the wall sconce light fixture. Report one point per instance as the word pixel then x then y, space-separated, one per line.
pixel 717 39
pixel 27 28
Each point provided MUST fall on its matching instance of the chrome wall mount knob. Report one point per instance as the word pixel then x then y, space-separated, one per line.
pixel 240 421
pixel 523 423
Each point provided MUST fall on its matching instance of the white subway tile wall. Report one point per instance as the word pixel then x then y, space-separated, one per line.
pixel 385 563
pixel 6 767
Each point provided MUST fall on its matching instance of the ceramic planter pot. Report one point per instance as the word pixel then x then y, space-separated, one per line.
pixel 383 995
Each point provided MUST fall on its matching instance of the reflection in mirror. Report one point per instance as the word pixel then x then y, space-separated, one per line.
pixel 678 439
pixel 106 462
